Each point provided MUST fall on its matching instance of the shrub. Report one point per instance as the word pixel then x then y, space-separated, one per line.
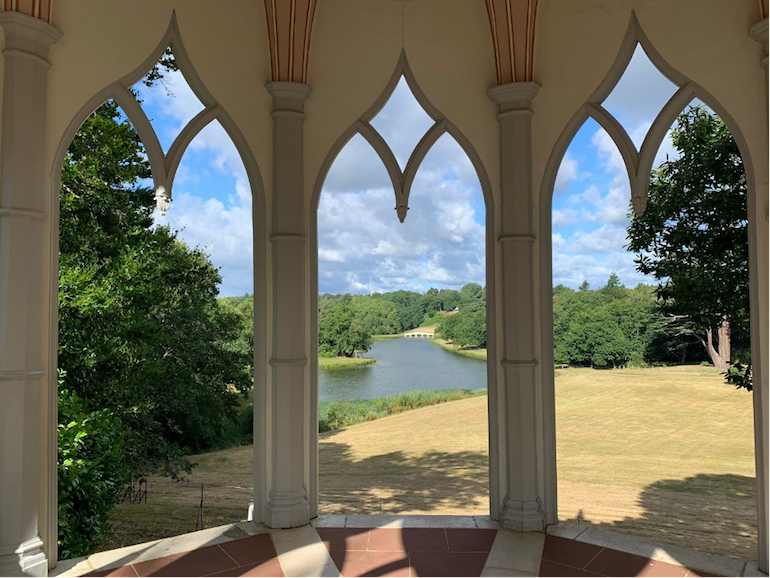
pixel 93 473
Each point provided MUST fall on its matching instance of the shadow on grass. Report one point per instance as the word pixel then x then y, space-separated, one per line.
pixel 395 483
pixel 707 512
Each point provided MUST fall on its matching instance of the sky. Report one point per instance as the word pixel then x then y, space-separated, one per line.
pixel 362 246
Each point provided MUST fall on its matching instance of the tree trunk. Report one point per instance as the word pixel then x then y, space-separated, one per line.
pixel 720 358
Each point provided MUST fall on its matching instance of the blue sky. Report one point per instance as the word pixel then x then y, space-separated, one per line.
pixel 362 246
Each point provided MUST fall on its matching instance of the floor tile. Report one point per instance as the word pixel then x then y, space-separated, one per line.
pixel 250 550
pixel 356 563
pixel 447 563
pixel 421 539
pixel 196 563
pixel 462 540
pixel 269 567
pixel 302 553
pixel 386 540
pixel 614 563
pixel 569 552
pixel 122 571
pixel 345 538
pixel 548 568
pixel 520 551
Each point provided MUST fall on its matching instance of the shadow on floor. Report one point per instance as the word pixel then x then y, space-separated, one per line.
pixel 396 483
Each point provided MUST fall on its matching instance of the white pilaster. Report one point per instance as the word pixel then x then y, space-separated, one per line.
pixel 287 453
pixel 760 317
pixel 24 301
pixel 525 444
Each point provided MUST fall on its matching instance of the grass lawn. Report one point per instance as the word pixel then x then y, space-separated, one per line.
pixel 476 353
pixel 343 362
pixel 666 454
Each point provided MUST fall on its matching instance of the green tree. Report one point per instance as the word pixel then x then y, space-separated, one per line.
pixel 141 332
pixel 376 316
pixel 693 234
pixel 340 333
pixel 410 307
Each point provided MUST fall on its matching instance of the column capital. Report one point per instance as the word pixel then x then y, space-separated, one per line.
pixel 288 96
pixel 514 97
pixel 28 36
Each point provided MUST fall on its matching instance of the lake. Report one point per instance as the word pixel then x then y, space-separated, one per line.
pixel 403 364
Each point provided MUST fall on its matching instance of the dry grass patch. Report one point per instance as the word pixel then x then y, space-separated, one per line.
pixel 432 460
pixel 666 454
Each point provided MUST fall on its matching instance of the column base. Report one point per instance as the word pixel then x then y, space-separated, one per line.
pixel 523 516
pixel 28 559
pixel 287 509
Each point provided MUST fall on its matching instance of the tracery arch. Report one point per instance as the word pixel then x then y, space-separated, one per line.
pixel 639 162
pixel 163 167
pixel 402 181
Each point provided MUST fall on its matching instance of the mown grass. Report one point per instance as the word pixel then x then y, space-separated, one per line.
pixel 477 353
pixel 664 453
pixel 333 415
pixel 333 363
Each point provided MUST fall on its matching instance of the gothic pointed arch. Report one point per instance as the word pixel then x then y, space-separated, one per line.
pixel 402 179
pixel 164 165
pixel 639 162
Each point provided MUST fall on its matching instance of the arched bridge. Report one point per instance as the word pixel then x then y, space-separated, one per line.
pixel 419 334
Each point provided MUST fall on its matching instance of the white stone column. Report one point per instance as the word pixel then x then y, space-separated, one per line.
pixel 24 283
pixel 287 453
pixel 522 454
pixel 760 317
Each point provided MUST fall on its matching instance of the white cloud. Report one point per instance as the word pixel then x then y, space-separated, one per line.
pixel 402 122
pixel 441 243
pixel 639 96
pixel 571 270
pixel 564 218
pixel 221 228
pixel 568 172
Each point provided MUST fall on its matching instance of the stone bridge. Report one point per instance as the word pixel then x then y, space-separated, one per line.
pixel 419 334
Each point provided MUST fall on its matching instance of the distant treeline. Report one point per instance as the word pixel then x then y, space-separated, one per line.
pixel 613 326
pixel 347 322
pixel 605 327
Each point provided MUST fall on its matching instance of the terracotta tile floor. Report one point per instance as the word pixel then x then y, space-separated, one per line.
pixel 252 556
pixel 400 552
pixel 408 551
pixel 563 557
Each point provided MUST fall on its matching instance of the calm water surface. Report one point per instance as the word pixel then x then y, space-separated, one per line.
pixel 403 364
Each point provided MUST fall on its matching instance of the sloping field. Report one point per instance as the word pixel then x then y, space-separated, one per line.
pixel 662 454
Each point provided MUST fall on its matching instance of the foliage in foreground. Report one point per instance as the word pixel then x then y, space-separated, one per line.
pixel 338 414
pixel 92 472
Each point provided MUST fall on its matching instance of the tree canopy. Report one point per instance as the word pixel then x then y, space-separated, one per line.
pixel 693 235
pixel 140 329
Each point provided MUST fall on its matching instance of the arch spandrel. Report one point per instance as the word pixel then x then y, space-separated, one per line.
pixel 402 180
pixel 638 163
pixel 353 57
pixel 111 54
